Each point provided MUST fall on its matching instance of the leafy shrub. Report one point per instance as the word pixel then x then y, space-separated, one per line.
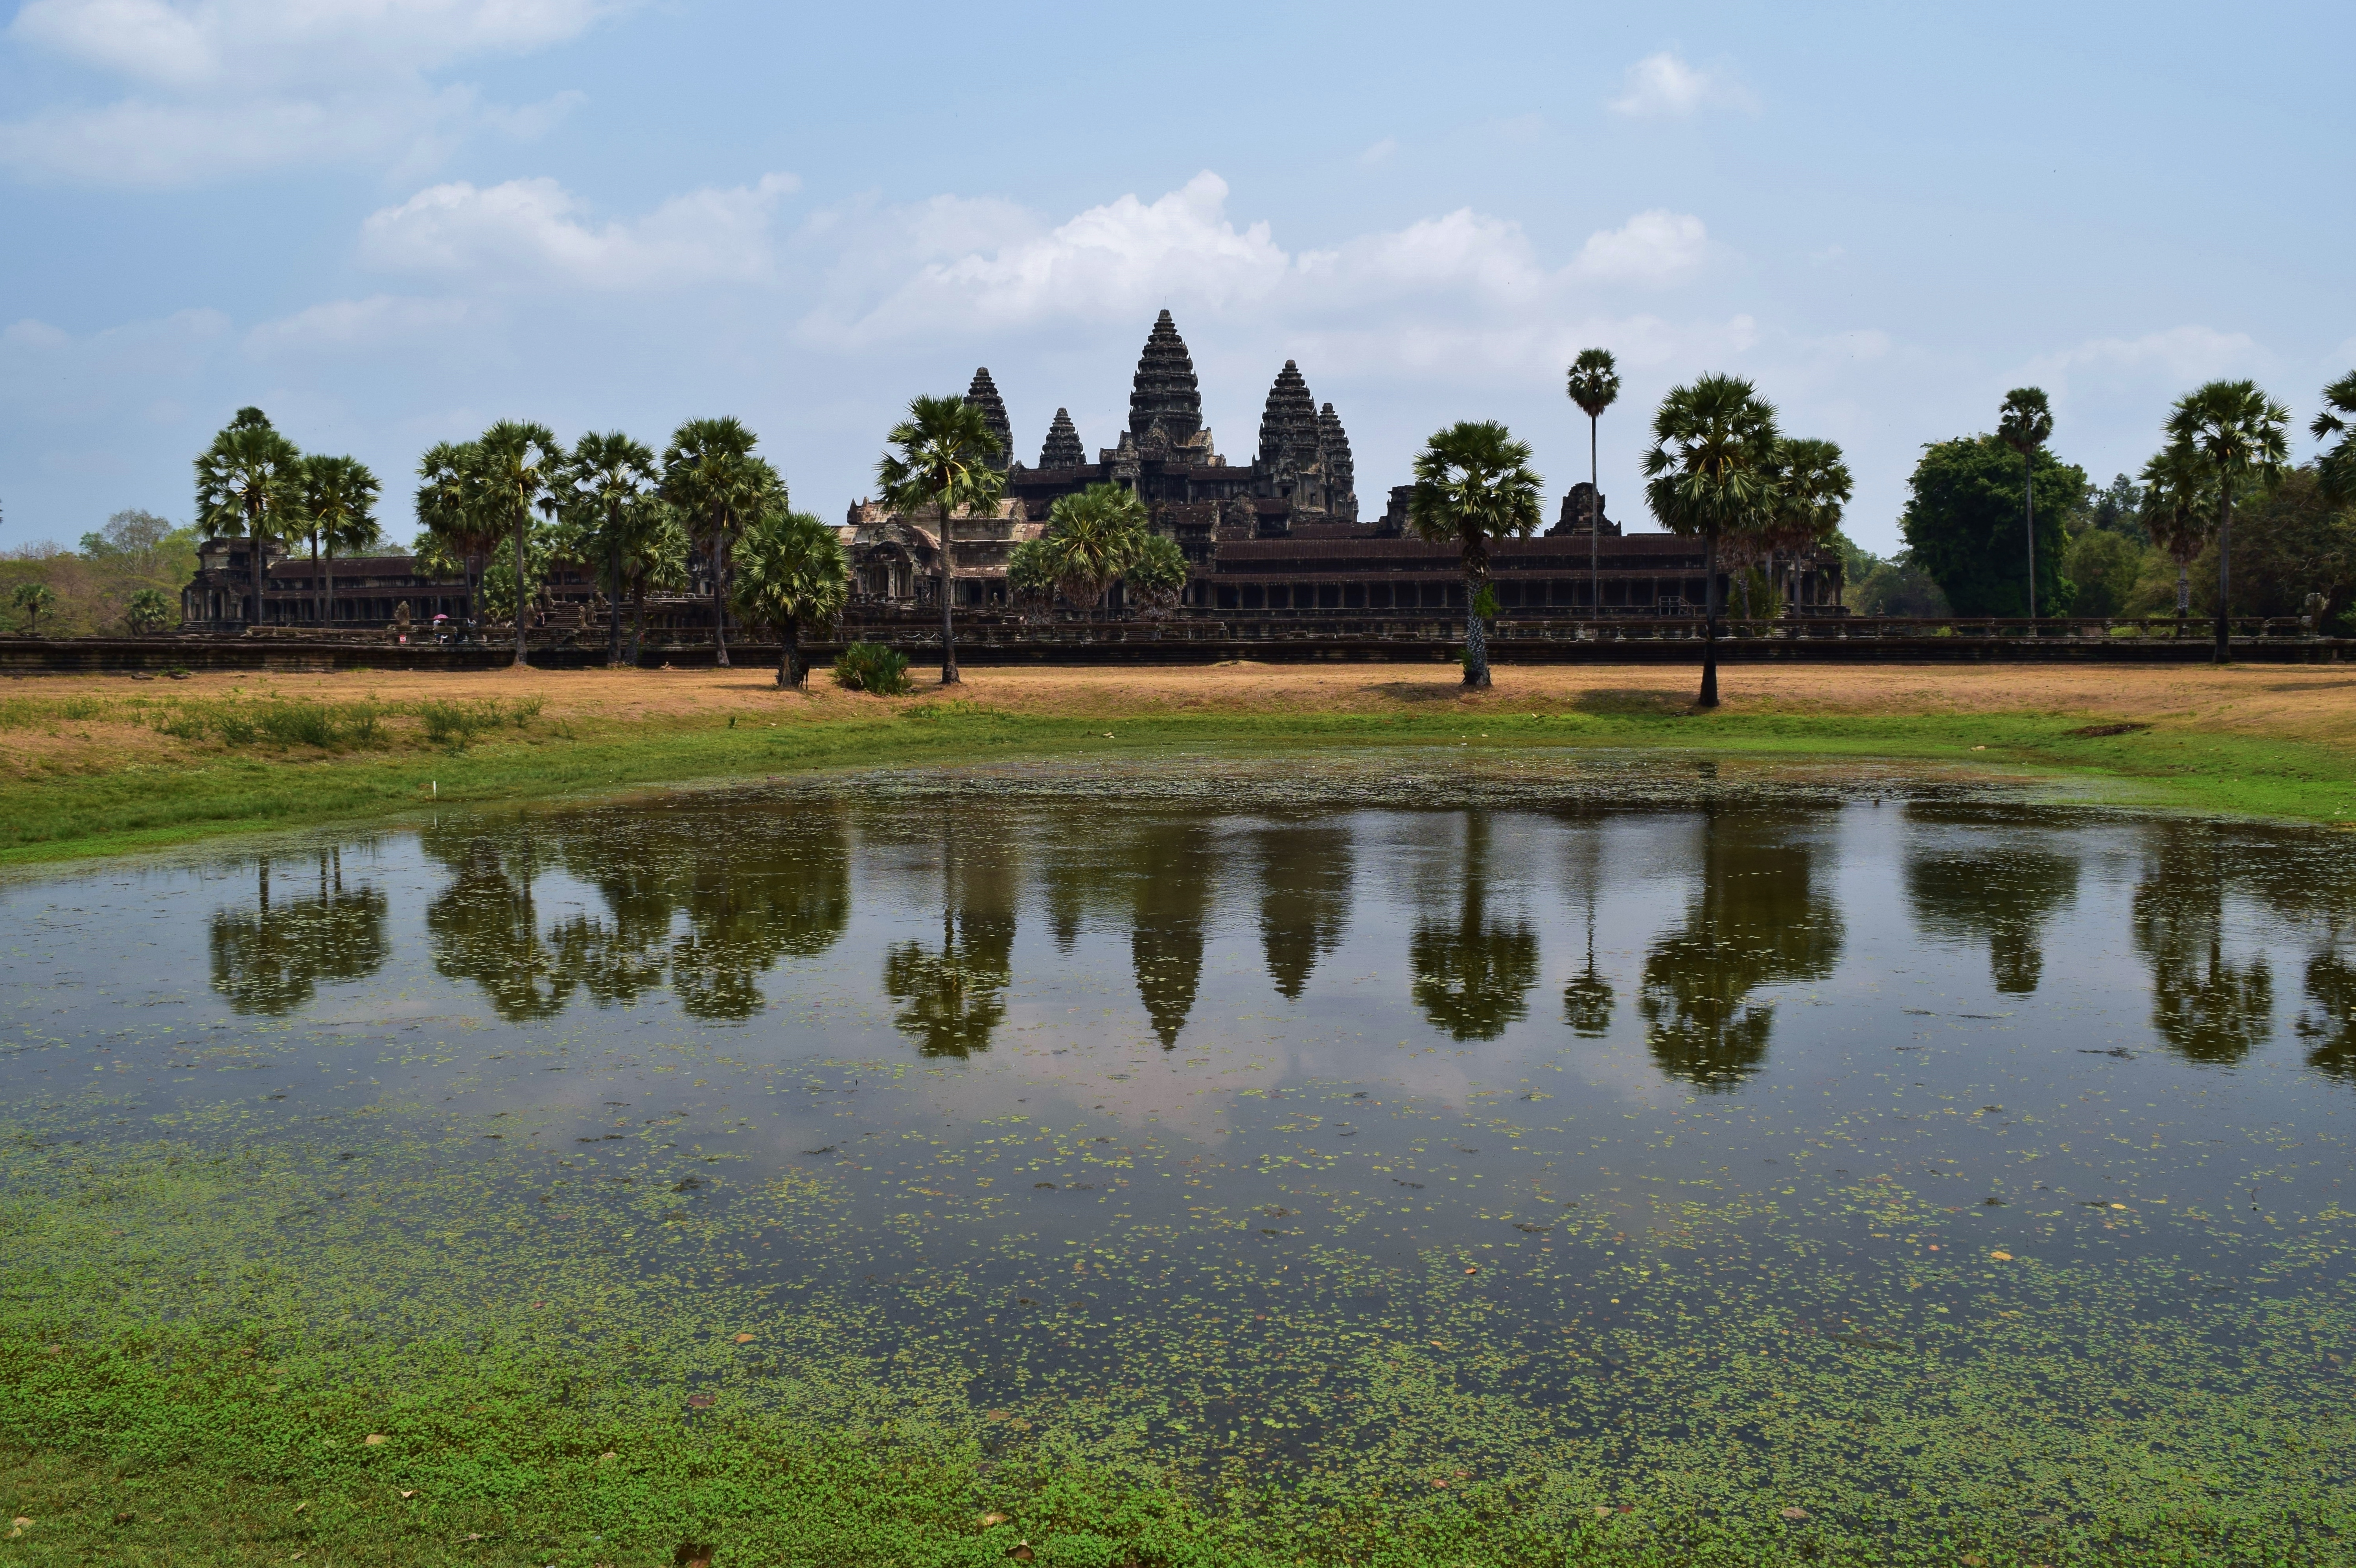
pixel 528 709
pixel 298 724
pixel 233 727
pixel 454 723
pixel 367 729
pixel 871 667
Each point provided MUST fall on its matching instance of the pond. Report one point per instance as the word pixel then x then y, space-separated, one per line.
pixel 1841 1132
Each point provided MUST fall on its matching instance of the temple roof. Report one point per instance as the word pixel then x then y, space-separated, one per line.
pixel 1063 448
pixel 1288 427
pixel 983 394
pixel 1341 472
pixel 1165 390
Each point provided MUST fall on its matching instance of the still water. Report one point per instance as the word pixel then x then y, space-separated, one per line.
pixel 1317 1117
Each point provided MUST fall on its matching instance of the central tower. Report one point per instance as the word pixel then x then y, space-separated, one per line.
pixel 1164 392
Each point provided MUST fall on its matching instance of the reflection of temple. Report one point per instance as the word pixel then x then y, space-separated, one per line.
pixel 1283 532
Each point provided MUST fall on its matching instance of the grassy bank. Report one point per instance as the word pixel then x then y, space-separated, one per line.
pixel 97 771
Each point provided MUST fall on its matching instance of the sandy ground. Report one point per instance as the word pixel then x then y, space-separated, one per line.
pixel 2285 702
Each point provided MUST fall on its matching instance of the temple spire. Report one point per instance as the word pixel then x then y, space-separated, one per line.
pixel 1063 449
pixel 1341 470
pixel 1288 426
pixel 1165 390
pixel 983 394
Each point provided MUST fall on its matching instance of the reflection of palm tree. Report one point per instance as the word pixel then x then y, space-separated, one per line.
pixel 484 928
pixel 1588 1000
pixel 1757 920
pixel 953 998
pixel 748 904
pixel 2331 1029
pixel 270 960
pixel 2205 1007
pixel 1304 899
pixel 1165 943
pixel 1473 978
pixel 2002 897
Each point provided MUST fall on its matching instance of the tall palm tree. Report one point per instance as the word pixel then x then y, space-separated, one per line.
pixel 2232 431
pixel 608 480
pixel 520 462
pixel 2176 513
pixel 1711 471
pixel 338 507
pixel 1473 483
pixel 247 483
pixel 1594 387
pixel 1812 484
pixel 654 556
pixel 2024 425
pixel 2337 468
pixel 791 568
pixel 450 505
pixel 942 458
pixel 1094 537
pixel 711 475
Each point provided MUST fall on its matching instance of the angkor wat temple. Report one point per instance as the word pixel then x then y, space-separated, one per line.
pixel 1280 533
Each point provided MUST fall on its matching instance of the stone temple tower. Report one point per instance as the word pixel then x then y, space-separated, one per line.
pixel 983 395
pixel 1287 426
pixel 1063 449
pixel 1341 471
pixel 1164 393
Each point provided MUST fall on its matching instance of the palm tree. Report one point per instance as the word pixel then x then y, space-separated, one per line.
pixel 337 507
pixel 791 568
pixel 711 475
pixel 1711 471
pixel 450 506
pixel 246 483
pixel 944 449
pixel 1094 536
pixel 2337 468
pixel 147 610
pixel 609 480
pixel 1594 387
pixel 654 555
pixel 33 599
pixel 2176 514
pixel 2025 425
pixel 520 462
pixel 1156 580
pixel 2233 432
pixel 1473 483
pixel 1812 484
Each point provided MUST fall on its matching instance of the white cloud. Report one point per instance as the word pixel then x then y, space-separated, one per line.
pixel 2189 354
pixel 530 231
pixel 1654 247
pixel 1380 153
pixel 346 324
pixel 1663 86
pixel 223 88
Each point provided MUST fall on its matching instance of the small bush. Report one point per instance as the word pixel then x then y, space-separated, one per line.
pixel 528 709
pixel 298 724
pixel 180 724
pixel 367 729
pixel 233 727
pixel 871 667
pixel 454 723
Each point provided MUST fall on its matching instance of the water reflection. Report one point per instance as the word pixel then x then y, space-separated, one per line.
pixel 2206 1006
pixel 1472 973
pixel 1304 906
pixel 952 998
pixel 1171 863
pixel 1588 999
pixel 1758 918
pixel 2328 1024
pixel 1974 892
pixel 269 959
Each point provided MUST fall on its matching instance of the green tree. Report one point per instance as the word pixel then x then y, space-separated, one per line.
pixel 1473 483
pixel 609 490
pixel 2103 568
pixel 1812 484
pixel 33 599
pixel 247 483
pixel 791 569
pixel 336 507
pixel 2337 468
pixel 2290 541
pixel 2117 510
pixel 1157 578
pixel 520 462
pixel 1031 574
pixel 1094 537
pixel 140 539
pixel 2025 424
pixel 941 457
pixel 1963 509
pixel 1594 386
pixel 452 507
pixel 2178 510
pixel 711 475
pixel 654 560
pixel 2241 439
pixel 1711 471
pixel 147 610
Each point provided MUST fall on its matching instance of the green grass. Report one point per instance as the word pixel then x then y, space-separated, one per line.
pixel 497 755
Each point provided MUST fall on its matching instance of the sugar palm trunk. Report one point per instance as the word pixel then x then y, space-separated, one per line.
pixel 613 587
pixel 316 602
pixel 327 586
pixel 720 589
pixel 949 676
pixel 638 619
pixel 789 653
pixel 1709 620
pixel 1594 531
pixel 1476 639
pixel 2224 571
pixel 2028 500
pixel 520 662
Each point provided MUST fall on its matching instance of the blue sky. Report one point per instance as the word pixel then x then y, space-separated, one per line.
pixel 392 221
